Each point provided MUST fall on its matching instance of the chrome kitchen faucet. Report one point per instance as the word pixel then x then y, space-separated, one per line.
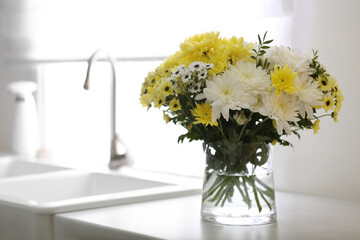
pixel 118 152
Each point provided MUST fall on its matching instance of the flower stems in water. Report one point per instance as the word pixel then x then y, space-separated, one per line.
pixel 223 188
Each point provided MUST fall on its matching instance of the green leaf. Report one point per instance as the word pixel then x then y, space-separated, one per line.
pixel 259 39
pixel 268 41
pixel 264 36
pixel 297 134
pixel 262 53
pixel 181 138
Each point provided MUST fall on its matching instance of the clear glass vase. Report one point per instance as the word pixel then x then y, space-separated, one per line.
pixel 238 184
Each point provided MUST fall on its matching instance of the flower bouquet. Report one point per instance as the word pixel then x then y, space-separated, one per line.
pixel 239 98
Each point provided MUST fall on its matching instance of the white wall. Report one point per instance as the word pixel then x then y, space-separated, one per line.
pixel 327 163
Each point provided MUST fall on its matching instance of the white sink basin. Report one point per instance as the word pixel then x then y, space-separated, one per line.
pixel 28 203
pixel 73 190
pixel 15 167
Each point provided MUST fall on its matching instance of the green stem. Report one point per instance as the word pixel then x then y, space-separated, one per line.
pixel 220 127
pixel 263 184
pixel 259 126
pixel 225 198
pixel 243 129
pixel 220 197
pixel 245 187
pixel 212 189
pixel 268 190
pixel 245 161
pixel 325 115
pixel 220 191
pixel 263 197
pixel 245 199
pixel 252 182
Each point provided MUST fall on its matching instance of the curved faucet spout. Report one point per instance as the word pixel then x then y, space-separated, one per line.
pixel 118 150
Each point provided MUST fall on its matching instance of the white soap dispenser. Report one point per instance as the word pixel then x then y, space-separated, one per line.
pixel 25 129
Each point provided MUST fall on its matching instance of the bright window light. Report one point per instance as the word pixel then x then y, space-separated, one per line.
pixel 77 122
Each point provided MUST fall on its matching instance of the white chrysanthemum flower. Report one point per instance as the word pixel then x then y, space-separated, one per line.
pixel 225 94
pixel 255 79
pixel 296 60
pixel 196 66
pixel 308 94
pixel 283 109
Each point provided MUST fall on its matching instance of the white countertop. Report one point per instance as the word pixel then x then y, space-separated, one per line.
pixel 299 217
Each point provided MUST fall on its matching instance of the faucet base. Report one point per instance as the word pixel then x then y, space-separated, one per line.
pixel 118 156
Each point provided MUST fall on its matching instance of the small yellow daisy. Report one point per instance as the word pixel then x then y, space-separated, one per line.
pixel 166 88
pixel 159 101
pixel 316 126
pixel 174 105
pixel 339 98
pixel 335 115
pixel 166 118
pixel 324 83
pixel 146 100
pixel 329 103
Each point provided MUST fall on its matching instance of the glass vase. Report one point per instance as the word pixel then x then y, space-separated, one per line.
pixel 238 184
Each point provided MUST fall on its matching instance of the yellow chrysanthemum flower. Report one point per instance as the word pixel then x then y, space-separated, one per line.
pixel 238 51
pixel 207 48
pixel 166 118
pixel 174 105
pixel 283 80
pixel 316 126
pixel 202 114
pixel 329 102
pixel 169 65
